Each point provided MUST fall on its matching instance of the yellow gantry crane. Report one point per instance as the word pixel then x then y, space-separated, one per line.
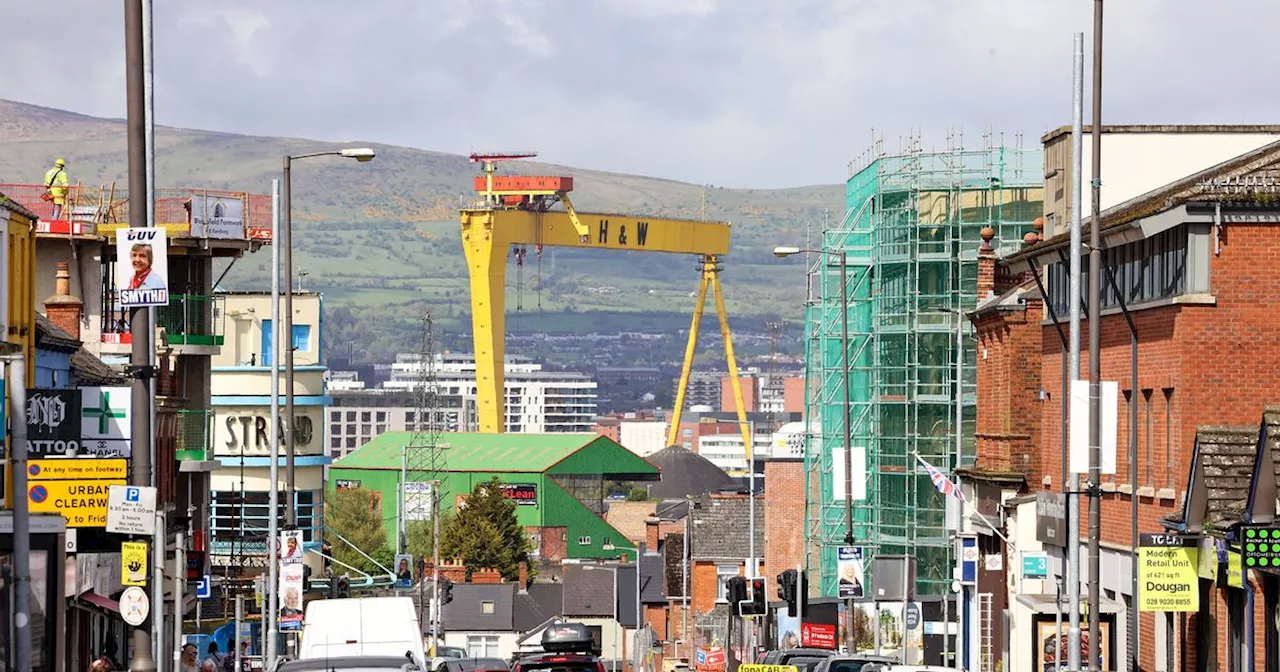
pixel 516 210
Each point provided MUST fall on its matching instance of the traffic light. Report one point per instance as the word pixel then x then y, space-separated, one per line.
pixel 333 587
pixel 759 597
pixel 787 589
pixel 446 591
pixel 306 579
pixel 736 594
pixel 344 586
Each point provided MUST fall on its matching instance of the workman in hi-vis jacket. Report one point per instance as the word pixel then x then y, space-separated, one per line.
pixel 55 182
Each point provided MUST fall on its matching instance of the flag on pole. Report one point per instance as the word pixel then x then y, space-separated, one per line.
pixel 944 485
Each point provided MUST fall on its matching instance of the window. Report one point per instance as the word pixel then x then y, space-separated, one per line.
pixel 243 517
pixel 335 429
pixel 302 337
pixel 364 416
pixel 351 416
pixel 335 416
pixel 486 607
pixel 482 646
pixel 335 442
pixel 1146 270
pixel 365 430
pixel 382 416
pixel 723 574
pixel 351 442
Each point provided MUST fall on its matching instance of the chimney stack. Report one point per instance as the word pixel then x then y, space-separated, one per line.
pixel 62 308
pixel 651 533
pixel 524 578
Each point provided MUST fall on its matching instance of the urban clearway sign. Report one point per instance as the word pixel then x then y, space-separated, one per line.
pixel 131 509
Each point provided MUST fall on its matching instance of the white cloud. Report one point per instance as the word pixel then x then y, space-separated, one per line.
pixel 748 92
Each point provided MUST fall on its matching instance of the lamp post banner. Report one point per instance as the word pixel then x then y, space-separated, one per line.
pixel 142 267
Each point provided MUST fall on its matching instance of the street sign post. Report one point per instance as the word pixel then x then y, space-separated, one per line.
pixel 131 509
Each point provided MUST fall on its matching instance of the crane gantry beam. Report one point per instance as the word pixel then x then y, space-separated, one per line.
pixel 518 215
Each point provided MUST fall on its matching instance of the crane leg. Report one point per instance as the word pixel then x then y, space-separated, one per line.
pixel 733 369
pixel 689 351
pixel 487 267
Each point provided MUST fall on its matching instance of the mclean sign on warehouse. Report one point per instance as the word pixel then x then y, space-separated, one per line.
pixel 246 430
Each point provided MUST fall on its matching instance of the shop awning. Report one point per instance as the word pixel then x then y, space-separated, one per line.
pixel 1048 603
pixel 101 602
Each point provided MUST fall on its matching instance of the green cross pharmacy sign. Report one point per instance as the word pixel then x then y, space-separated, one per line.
pixel 105 416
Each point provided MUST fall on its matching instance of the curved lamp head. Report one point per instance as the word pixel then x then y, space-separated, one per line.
pixel 361 154
pixel 785 251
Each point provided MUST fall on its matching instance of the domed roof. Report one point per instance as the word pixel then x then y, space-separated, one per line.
pixel 685 473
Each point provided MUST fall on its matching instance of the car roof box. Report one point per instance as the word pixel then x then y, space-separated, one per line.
pixel 567 637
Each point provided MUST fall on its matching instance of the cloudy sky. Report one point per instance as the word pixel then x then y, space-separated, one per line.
pixel 762 93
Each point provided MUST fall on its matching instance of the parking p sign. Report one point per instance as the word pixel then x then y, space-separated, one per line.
pixel 131 509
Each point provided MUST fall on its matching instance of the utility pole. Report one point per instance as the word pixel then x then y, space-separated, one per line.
pixel 285 345
pixel 1095 353
pixel 1071 478
pixel 273 497
pixel 142 352
pixel 17 381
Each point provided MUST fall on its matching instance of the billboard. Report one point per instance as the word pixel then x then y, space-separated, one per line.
pixel 217 217
pixel 142 267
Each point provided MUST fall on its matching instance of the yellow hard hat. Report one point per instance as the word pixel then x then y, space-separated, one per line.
pixel 60 162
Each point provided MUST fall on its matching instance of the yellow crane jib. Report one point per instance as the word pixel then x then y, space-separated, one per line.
pixel 517 210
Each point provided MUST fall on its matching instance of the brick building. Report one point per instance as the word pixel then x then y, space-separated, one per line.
pixel 1194 266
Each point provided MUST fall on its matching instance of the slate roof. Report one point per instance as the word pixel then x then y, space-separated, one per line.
pixel 86 368
pixel 541 602
pixel 629 518
pixel 1228 455
pixel 10 204
pixel 686 473
pixel 651 579
pixel 721 528
pixel 466 611
pixel 588 592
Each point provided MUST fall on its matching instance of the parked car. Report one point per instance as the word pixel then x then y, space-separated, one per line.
pixel 567 647
pixel 350 664
pixel 362 626
pixel 804 659
pixel 858 662
pixel 473 665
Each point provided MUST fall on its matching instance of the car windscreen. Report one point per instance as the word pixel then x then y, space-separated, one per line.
pixel 805 663
pixel 577 666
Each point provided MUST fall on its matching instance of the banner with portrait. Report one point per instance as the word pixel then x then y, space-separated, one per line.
pixel 142 267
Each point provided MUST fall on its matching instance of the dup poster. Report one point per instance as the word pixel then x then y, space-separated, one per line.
pixel 291 596
pixel 852 572
pixel 404 571
pixel 142 267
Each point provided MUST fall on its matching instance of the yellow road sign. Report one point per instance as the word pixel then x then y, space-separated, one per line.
pixel 77 469
pixel 133 563
pixel 82 503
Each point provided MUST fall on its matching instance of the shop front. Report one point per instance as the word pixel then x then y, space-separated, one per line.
pixel 48 609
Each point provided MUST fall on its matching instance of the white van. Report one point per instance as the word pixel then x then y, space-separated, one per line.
pixel 362 626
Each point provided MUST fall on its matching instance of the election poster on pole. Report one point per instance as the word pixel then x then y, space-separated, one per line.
pixel 142 267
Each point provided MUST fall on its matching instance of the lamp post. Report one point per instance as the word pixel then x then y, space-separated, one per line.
pixel 782 252
pixel 616 624
pixel 361 154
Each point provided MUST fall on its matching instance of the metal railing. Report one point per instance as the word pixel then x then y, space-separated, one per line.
pixel 195 434
pixel 189 319
pixel 108 207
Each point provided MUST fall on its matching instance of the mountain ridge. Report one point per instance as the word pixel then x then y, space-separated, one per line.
pixel 382 238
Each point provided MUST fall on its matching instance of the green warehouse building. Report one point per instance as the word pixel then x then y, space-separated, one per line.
pixel 560 482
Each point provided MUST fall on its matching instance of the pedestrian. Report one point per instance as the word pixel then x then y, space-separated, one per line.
pixel 189 652
pixel 102 664
pixel 212 658
pixel 55 187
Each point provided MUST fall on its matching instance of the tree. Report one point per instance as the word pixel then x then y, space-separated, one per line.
pixel 486 534
pixel 418 538
pixel 356 515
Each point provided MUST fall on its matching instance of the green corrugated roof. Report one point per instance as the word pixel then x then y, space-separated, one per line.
pixel 520 453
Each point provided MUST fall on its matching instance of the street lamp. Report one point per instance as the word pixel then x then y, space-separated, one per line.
pixel 363 155
pixel 783 252
pixel 283 248
pixel 616 624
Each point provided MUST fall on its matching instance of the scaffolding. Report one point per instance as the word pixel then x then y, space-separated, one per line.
pixel 910 234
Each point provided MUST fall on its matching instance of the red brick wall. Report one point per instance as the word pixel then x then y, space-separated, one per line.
pixel 783 516
pixel 727 403
pixel 1215 365
pixel 1008 391
pixel 793 395
pixel 703 588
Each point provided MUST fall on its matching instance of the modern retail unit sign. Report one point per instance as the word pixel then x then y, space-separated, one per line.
pixel 1168 577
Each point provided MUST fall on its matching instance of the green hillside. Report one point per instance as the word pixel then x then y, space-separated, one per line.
pixel 382 238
